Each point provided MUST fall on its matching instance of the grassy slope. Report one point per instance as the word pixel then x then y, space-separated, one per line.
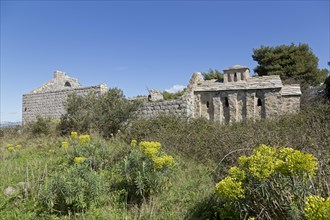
pixel 197 147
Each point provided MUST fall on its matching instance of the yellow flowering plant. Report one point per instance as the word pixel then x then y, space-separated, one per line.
pixel 147 168
pixel 18 146
pixel 79 160
pixel 274 179
pixel 74 135
pixel 65 145
pixel 317 208
pixel 84 139
pixel 230 188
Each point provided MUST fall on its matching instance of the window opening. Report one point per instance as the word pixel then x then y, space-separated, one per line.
pixel 226 102
pixel 67 84
pixel 259 102
pixel 235 77
pixel 207 104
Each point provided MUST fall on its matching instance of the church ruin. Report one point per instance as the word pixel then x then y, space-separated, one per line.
pixel 48 100
pixel 238 97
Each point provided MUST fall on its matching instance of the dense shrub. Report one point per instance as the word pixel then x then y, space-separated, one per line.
pixel 40 126
pixel 327 87
pixel 270 184
pixel 146 170
pixel 171 96
pixel 106 113
pixel 71 190
pixel 204 140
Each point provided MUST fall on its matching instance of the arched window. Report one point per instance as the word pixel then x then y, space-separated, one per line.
pixel 67 84
pixel 235 77
pixel 226 102
pixel 207 104
pixel 259 102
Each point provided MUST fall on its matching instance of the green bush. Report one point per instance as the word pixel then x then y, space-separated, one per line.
pixel 40 126
pixel 71 190
pixel 327 87
pixel 270 184
pixel 172 96
pixel 106 113
pixel 146 170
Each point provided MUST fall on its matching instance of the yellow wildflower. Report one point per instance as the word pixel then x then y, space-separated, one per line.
pixel 18 146
pixel 65 145
pixel 151 152
pixel 149 144
pixel 317 208
pixel 56 121
pixel 230 188
pixel 10 149
pixel 74 135
pixel 9 145
pixel 84 139
pixel 133 143
pixel 262 163
pixel 79 160
pixel 296 162
pixel 168 160
pixel 159 162
pixel 237 173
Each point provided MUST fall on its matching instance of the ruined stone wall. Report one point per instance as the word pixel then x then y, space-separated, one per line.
pixel 151 109
pixel 290 104
pixel 51 104
pixel 235 106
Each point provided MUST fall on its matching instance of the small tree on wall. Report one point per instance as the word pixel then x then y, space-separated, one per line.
pixel 213 74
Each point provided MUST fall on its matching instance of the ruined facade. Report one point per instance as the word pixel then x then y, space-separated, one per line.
pixel 238 97
pixel 48 100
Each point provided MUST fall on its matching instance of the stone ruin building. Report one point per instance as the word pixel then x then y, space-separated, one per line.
pixel 48 100
pixel 238 97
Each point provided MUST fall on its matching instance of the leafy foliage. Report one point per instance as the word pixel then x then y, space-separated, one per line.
pixel 213 74
pixel 106 113
pixel 146 170
pixel 294 63
pixel 271 183
pixel 317 208
pixel 40 126
pixel 327 87
pixel 171 96
pixel 71 190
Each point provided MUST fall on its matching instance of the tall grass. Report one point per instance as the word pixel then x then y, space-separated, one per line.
pixel 203 152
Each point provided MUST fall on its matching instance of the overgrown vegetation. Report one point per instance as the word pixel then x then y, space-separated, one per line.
pixel 172 96
pixel 213 74
pixel 271 184
pixel 105 114
pixel 88 177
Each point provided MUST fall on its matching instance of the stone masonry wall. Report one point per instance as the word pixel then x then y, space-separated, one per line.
pixel 151 109
pixel 290 104
pixel 51 104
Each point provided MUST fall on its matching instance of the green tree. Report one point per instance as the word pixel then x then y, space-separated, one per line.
pixel 213 74
pixel 294 63
pixel 106 113
pixel 327 88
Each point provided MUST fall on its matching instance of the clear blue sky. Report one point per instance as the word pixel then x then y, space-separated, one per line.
pixel 135 45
